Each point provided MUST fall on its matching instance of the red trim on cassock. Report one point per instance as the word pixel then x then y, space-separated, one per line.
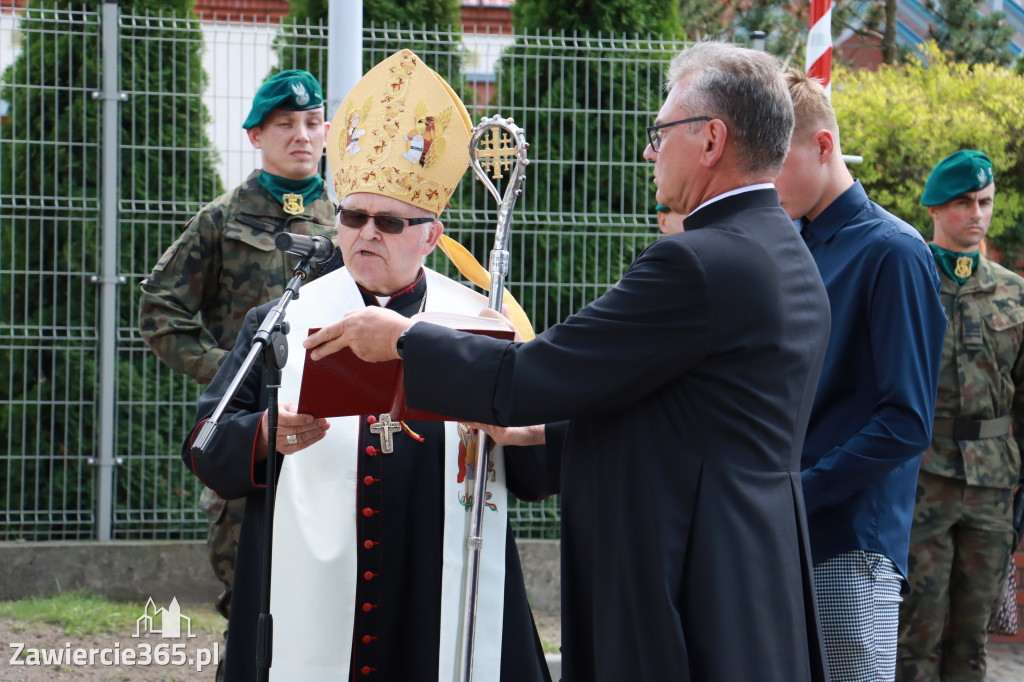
pixel 397 293
pixel 252 466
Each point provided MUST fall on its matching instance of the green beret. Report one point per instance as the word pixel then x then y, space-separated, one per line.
pixel 659 208
pixel 291 90
pixel 964 171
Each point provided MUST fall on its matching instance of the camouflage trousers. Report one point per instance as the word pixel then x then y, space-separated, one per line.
pixel 959 543
pixel 222 543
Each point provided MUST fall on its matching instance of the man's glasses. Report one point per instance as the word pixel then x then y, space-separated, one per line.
pixel 654 132
pixel 388 224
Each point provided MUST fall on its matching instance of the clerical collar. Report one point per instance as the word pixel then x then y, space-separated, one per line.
pixel 406 301
pixel 957 266
pixel 293 195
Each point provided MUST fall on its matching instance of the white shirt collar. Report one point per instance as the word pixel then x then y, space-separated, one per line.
pixel 733 192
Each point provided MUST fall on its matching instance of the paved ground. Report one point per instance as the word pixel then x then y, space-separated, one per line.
pixel 1006 662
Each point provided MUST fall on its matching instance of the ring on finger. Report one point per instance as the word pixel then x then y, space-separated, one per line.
pixel 292 439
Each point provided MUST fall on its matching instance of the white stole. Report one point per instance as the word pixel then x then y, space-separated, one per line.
pixel 314 560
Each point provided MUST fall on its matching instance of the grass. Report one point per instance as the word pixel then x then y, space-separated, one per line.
pixel 79 613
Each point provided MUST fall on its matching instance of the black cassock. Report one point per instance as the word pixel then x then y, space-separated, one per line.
pixel 398 639
pixel 687 389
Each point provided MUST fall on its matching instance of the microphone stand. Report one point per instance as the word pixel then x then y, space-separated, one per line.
pixel 270 344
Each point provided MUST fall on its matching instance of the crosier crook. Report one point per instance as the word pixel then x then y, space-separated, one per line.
pixel 507 142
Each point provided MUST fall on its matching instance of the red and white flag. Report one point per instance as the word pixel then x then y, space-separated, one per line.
pixel 819 44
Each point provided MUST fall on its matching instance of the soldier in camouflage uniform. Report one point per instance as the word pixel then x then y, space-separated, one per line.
pixel 962 529
pixel 225 262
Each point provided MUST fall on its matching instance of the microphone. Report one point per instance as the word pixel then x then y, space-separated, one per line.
pixel 316 249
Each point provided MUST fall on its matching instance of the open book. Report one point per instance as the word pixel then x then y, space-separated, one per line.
pixel 341 384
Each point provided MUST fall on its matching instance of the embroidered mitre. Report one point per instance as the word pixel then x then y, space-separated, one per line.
pixel 401 132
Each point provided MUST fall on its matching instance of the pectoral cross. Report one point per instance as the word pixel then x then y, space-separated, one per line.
pixel 385 427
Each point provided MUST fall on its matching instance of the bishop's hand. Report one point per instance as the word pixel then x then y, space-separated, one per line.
pixel 370 332
pixel 295 431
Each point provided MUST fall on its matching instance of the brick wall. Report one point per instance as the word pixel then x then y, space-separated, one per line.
pixel 248 10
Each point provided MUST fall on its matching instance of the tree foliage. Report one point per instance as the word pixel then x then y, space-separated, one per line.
pixel 641 17
pixel 785 23
pixel 959 28
pixel 904 119
pixel 583 83
pixel 963 33
pixel 51 150
pixel 303 38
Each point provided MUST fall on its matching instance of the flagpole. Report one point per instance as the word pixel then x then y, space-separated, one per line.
pixel 819 44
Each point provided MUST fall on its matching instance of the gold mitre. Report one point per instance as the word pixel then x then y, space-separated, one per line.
pixel 401 132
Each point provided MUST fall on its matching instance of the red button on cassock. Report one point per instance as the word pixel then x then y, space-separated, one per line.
pixel 368 544
pixel 371 419
pixel 371 451
pixel 367 607
pixel 368 638
pixel 369 575
pixel 366 670
pixel 367 512
pixel 369 480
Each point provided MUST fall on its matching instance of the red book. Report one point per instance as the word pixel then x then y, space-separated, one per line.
pixel 341 384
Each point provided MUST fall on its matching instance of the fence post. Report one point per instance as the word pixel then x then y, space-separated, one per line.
pixel 109 279
pixel 344 57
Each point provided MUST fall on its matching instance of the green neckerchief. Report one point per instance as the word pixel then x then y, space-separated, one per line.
pixel 286 191
pixel 951 263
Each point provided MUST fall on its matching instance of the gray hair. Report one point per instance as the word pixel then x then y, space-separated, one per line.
pixel 426 231
pixel 746 89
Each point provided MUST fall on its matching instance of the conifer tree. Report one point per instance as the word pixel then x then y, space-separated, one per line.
pixel 964 34
pixel 786 24
pixel 584 102
pixel 302 42
pixel 50 190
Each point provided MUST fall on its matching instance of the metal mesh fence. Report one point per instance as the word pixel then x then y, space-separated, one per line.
pixel 587 210
pixel 48 344
pixel 168 171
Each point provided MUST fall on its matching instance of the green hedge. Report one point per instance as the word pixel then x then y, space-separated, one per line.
pixel 904 119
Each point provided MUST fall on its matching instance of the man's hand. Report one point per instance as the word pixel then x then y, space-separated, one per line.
pixel 513 435
pixel 503 316
pixel 305 429
pixel 370 332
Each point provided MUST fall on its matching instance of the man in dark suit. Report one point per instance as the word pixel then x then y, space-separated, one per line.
pixel 677 401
